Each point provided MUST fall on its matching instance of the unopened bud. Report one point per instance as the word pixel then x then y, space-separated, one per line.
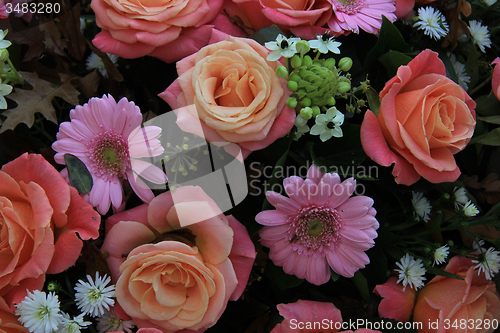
pixel 306 113
pixel 295 77
pixel 332 101
pixel 343 87
pixel 307 61
pixel 296 61
pixel 345 64
pixel 306 101
pixel 4 55
pixel 291 102
pixel 281 72
pixel 292 85
pixel 316 111
pixel 302 47
pixel 329 63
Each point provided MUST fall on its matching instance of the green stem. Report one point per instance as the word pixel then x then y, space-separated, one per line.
pixel 478 87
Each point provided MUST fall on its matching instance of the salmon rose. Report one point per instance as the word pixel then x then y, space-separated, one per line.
pixel 173 270
pixel 40 216
pixel 168 30
pixel 423 120
pixel 230 88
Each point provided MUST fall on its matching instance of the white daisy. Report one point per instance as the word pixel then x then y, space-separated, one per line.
pixel 421 206
pixel 463 78
pixel 94 61
pixel 282 46
pixel 328 125
pixel 432 22
pixel 302 127
pixel 441 254
pixel 489 262
pixel 109 322
pixel 411 272
pixel 325 43
pixel 470 209
pixel 74 325
pixel 478 244
pixel 480 35
pixel 93 297
pixel 461 198
pixel 39 312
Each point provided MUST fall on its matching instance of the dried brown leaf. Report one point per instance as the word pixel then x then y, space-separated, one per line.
pixel 487 190
pixel 39 99
pixel 88 85
pixel 69 26
pixel 457 26
pixel 53 41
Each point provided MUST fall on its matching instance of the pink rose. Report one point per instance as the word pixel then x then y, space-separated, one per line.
pixel 41 215
pixel 302 18
pixel 234 92
pixel 171 271
pixel 396 303
pixel 167 30
pixel 450 299
pixel 423 120
pixel 495 80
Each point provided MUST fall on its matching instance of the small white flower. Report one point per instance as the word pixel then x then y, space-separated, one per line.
pixel 5 89
pixel 325 43
pixel 302 127
pixel 74 325
pixel 39 312
pixel 109 322
pixel 463 78
pixel 421 206
pixel 461 197
pixel 411 272
pixel 282 46
pixel 478 244
pixel 488 262
pixel 432 22
pixel 93 297
pixel 470 209
pixel 441 254
pixel 94 61
pixel 489 2
pixel 328 125
pixel 4 43
pixel 480 35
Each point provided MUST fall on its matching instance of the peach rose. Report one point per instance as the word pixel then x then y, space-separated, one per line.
pixel 423 120
pixel 495 80
pixel 397 302
pixel 302 18
pixel 8 321
pixel 167 30
pixel 234 92
pixel 450 299
pixel 40 216
pixel 171 271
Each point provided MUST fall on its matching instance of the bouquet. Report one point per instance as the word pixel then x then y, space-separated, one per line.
pixel 249 166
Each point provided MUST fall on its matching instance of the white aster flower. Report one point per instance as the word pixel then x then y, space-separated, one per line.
pixel 93 297
pixel 4 43
pixel 109 322
pixel 461 197
pixel 441 254
pixel 328 125
pixel 325 43
pixel 421 206
pixel 463 78
pixel 301 125
pixel 39 312
pixel 478 244
pixel 94 61
pixel 488 262
pixel 480 35
pixel 489 2
pixel 432 22
pixel 282 46
pixel 74 325
pixel 470 209
pixel 411 272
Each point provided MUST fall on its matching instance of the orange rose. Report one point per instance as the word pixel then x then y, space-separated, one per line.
pixel 235 93
pixel 40 216
pixel 423 120
pixel 177 260
pixel 447 301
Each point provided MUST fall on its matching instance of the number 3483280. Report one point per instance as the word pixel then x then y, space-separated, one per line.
pixel 33 8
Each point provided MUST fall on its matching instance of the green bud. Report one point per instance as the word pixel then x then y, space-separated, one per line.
pixel 291 102
pixel 332 101
pixel 345 64
pixel 303 72
pixel 316 111
pixel 301 93
pixel 306 101
pixel 361 103
pixel 296 61
pixel 343 87
pixel 306 113
pixel 302 47
pixel 292 85
pixel 307 61
pixel 14 78
pixel 4 55
pixel 329 63
pixel 281 72
pixel 295 77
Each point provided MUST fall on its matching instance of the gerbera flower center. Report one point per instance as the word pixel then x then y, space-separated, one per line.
pixel 314 230
pixel 349 6
pixel 109 156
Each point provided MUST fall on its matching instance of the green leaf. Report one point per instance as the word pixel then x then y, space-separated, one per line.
pixel 79 177
pixel 373 100
pixel 392 60
pixel 439 271
pixel 492 139
pixel 491 120
pixel 362 285
pixel 487 105
pixel 266 34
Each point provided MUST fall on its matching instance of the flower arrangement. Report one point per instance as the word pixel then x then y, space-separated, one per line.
pixel 249 166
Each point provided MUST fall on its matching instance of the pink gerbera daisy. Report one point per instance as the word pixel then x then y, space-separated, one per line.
pixel 350 15
pixel 319 226
pixel 106 136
